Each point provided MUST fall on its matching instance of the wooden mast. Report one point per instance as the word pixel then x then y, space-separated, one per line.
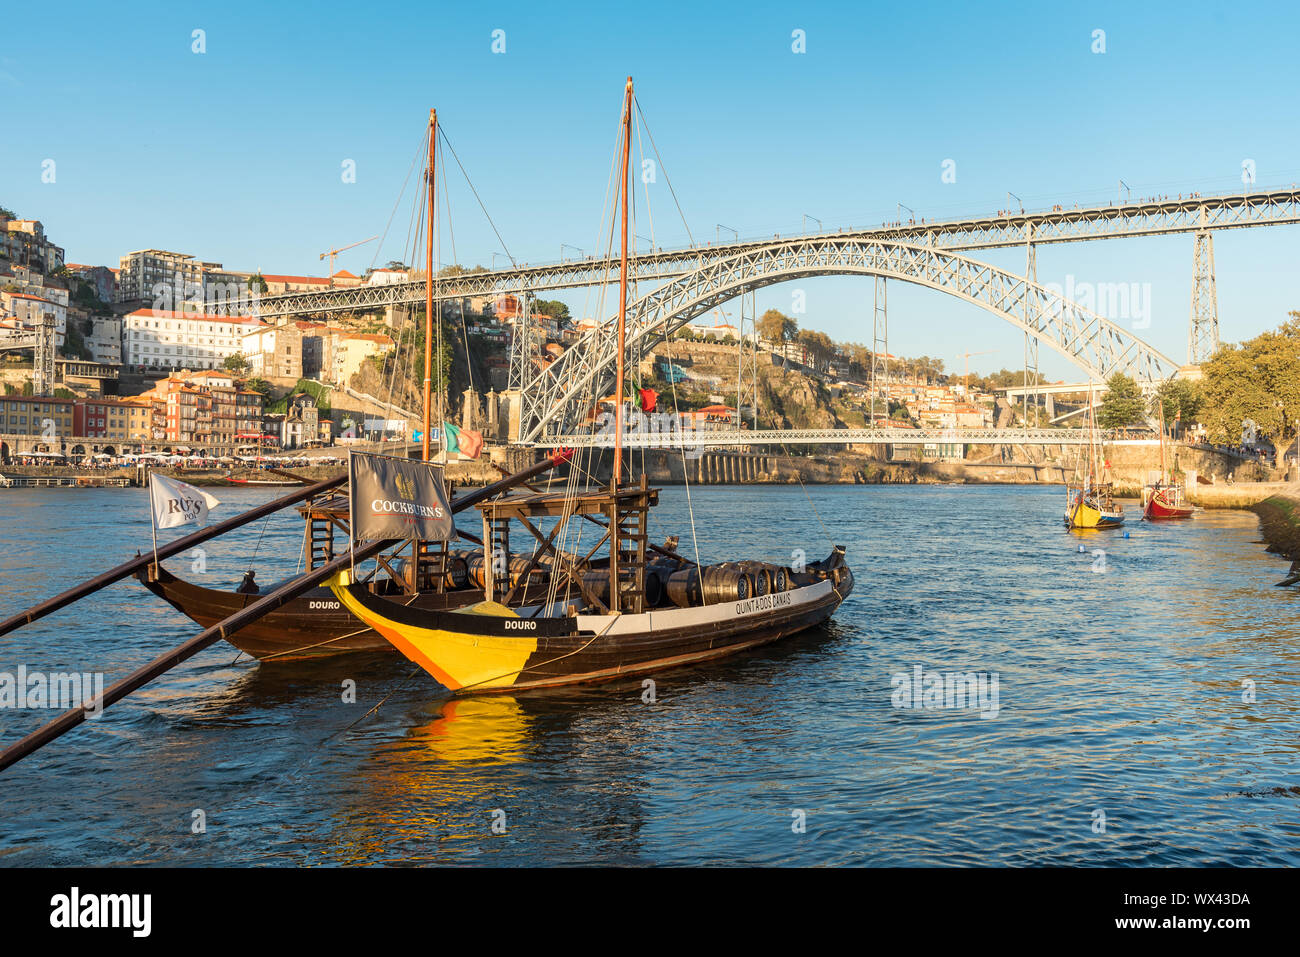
pixel 1164 479
pixel 622 293
pixel 428 291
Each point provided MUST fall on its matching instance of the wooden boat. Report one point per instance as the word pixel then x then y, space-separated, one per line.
pixel 1166 497
pixel 600 621
pixel 1092 506
pixel 1089 499
pixel 1165 500
pixel 312 626
pixel 489 647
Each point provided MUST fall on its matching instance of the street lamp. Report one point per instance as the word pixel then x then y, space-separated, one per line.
pixel 901 207
pixel 1019 201
pixel 806 217
pixel 1125 187
pixel 720 228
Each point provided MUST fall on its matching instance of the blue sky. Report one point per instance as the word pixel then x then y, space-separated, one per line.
pixel 235 154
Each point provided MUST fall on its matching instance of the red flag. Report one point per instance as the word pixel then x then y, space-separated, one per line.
pixel 648 399
pixel 470 442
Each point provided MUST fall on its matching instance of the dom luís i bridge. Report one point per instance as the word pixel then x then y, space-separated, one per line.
pixel 687 282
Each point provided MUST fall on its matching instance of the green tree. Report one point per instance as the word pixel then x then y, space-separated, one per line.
pixel 1182 400
pixel 551 307
pixel 257 284
pixel 258 384
pixel 235 363
pixel 456 269
pixel 1122 405
pixel 1257 380
pixel 776 326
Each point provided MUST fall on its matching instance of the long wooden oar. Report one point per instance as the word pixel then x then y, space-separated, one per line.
pixel 209 636
pixel 228 626
pixel 164 551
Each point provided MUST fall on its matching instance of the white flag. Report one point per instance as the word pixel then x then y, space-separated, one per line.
pixel 175 503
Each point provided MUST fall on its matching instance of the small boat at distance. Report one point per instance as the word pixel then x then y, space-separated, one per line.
pixel 1166 497
pixel 1090 501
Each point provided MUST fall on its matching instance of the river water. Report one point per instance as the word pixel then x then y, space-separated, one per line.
pixel 1147 707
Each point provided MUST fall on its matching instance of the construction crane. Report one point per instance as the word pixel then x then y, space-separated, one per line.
pixel 966 379
pixel 331 253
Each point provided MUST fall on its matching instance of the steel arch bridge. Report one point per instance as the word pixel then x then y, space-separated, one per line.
pixel 554 400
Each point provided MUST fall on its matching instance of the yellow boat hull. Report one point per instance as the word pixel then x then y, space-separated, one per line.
pixel 1086 515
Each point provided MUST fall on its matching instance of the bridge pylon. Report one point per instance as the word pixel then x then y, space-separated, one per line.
pixel 44 374
pixel 879 347
pixel 1203 325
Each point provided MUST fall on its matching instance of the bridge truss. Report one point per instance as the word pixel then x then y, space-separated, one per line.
pixel 554 401
pixel 1165 217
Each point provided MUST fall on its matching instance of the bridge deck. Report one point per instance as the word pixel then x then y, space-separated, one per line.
pixel 1141 218
pixel 720 438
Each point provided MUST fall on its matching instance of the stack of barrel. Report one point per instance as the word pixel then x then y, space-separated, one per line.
pixel 727 581
pixel 466 567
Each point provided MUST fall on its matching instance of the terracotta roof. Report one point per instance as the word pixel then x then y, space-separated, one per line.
pixel 23 295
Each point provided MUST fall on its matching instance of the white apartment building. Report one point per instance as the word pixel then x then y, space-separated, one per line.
pixel 165 339
pixel 141 271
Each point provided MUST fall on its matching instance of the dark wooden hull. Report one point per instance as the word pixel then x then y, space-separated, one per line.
pixel 312 626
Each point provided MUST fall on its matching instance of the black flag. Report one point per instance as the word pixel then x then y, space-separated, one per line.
pixel 397 498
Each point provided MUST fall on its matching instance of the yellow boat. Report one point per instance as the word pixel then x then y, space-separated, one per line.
pixel 1092 507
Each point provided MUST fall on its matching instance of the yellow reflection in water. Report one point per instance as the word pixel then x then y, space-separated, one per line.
pixel 487 729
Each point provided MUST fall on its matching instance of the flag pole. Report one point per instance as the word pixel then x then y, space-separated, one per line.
pixel 153 524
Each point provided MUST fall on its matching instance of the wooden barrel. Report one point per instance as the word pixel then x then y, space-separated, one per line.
pixel 519 564
pixel 457 572
pixel 597 583
pixel 725 582
pixel 760 576
pixel 781 580
pixel 684 588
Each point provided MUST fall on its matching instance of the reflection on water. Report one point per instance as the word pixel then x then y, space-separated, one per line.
pixel 1157 686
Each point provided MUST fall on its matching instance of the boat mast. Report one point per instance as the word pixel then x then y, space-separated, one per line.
pixel 622 293
pixel 428 291
pixel 1163 474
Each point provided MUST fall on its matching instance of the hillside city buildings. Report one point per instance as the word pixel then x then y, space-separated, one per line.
pixel 175 327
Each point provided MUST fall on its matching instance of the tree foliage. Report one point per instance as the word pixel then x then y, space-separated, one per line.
pixel 1181 398
pixel 552 307
pixel 776 326
pixel 1123 405
pixel 1258 380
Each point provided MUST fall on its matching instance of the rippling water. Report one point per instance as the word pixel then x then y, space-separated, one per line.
pixel 1120 693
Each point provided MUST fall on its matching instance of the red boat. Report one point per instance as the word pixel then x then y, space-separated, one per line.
pixel 1165 501
pixel 1165 498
